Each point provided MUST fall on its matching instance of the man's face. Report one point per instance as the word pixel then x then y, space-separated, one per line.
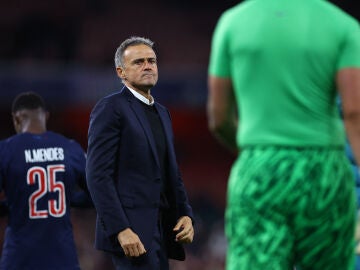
pixel 140 68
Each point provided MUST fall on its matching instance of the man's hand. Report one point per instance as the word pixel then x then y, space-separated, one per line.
pixel 185 230
pixel 130 243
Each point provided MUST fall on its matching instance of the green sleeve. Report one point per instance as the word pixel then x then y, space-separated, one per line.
pixel 219 56
pixel 350 51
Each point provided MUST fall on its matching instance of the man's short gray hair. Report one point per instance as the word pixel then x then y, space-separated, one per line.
pixel 132 41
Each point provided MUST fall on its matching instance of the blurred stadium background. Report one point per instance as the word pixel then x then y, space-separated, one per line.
pixel 64 51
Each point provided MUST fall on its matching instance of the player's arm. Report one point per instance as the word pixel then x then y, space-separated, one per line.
pixel 348 84
pixel 221 111
pixel 80 195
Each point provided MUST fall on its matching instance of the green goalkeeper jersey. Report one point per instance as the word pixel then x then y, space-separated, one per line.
pixel 283 67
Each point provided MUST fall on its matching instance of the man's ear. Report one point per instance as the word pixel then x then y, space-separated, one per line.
pixel 47 116
pixel 17 122
pixel 121 73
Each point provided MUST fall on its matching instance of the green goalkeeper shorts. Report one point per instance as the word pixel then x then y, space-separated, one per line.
pixel 290 207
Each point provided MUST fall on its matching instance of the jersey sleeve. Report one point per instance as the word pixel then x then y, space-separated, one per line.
pixel 80 196
pixel 350 51
pixel 219 64
pixel 78 161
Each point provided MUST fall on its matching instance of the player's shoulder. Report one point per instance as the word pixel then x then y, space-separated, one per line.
pixel 65 141
pixel 240 11
pixel 337 14
pixel 56 136
pixel 9 145
pixel 242 7
pixel 12 140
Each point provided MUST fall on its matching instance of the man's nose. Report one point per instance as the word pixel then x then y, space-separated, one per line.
pixel 147 64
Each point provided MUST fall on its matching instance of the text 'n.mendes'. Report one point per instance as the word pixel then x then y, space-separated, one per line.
pixel 44 154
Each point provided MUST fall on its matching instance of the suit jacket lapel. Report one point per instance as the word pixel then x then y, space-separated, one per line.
pixel 141 116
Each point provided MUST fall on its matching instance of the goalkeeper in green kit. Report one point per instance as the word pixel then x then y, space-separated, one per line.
pixel 276 68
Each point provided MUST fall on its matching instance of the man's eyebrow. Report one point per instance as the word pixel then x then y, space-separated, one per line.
pixel 143 59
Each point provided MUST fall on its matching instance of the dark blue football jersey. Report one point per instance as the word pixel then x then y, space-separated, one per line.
pixel 39 174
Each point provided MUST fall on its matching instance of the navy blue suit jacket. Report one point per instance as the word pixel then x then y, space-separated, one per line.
pixel 123 174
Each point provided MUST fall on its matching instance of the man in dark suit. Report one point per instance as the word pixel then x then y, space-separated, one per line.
pixel 143 212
